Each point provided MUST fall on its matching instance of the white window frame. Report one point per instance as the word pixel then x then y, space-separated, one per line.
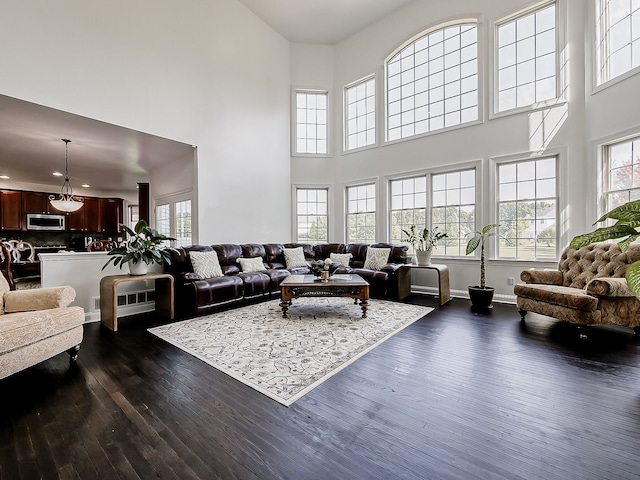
pixel 171 200
pixel 601 45
pixel 347 120
pixel 478 89
pixel 390 210
pixel 358 213
pixel 559 185
pixel 475 168
pixel 294 209
pixel 561 61
pixel 605 186
pixel 294 123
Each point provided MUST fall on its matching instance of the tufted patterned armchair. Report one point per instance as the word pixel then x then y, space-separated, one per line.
pixel 588 288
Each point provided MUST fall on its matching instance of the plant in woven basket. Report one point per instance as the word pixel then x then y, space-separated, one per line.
pixel 627 218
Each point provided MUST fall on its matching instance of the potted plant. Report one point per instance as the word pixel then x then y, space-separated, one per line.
pixel 144 247
pixel 423 242
pixel 481 296
pixel 625 228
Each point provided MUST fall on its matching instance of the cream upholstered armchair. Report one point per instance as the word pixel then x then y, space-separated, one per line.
pixel 588 288
pixel 37 324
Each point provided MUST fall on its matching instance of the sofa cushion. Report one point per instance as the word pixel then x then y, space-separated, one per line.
pixel 376 258
pixel 341 258
pixel 38 299
pixel 569 297
pixel 294 257
pixel 206 264
pixel 323 250
pixel 249 265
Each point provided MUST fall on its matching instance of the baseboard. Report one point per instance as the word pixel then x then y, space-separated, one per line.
pixel 498 298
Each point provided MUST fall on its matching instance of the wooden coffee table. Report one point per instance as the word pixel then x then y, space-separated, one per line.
pixel 351 286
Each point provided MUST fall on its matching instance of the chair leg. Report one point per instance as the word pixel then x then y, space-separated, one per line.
pixel 523 313
pixel 73 353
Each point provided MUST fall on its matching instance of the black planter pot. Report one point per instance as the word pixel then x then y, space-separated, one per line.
pixel 481 299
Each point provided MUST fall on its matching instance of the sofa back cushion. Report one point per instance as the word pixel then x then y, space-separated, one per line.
pixel 228 255
pixel 398 252
pixel 252 250
pixel 180 261
pixel 274 255
pixel 324 250
pixel 358 253
pixel 580 266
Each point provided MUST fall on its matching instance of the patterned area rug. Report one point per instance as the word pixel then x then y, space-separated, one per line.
pixel 284 358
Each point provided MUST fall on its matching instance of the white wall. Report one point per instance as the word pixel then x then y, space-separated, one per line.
pixel 210 74
pixel 569 129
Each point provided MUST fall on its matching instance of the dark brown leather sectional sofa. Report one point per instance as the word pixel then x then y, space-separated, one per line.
pixel 195 295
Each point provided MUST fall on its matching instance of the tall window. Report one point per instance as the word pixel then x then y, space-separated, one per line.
pixel 312 215
pixel 361 213
pixel 432 83
pixel 618 37
pixel 527 209
pixel 360 113
pixel 311 122
pixel 408 206
pixel 134 215
pixel 183 223
pixel 174 219
pixel 622 164
pixel 453 210
pixel 527 61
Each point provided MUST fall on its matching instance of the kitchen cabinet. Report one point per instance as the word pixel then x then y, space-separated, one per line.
pixel 111 214
pixel 37 202
pixel 87 219
pixel 11 216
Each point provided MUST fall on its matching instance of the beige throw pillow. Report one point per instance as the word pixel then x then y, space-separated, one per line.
pixel 294 257
pixel 255 264
pixel 206 264
pixel 342 258
pixel 376 258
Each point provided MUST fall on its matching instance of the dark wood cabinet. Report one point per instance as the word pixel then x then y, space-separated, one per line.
pixel 87 219
pixel 111 214
pixel 97 215
pixel 37 202
pixel 11 216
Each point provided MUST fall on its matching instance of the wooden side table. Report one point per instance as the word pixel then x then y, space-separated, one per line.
pixel 404 280
pixel 109 297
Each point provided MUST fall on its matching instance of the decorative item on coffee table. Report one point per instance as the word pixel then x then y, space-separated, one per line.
pixel 144 247
pixel 323 268
pixel 424 242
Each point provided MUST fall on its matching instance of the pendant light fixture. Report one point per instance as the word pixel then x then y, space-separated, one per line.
pixel 66 202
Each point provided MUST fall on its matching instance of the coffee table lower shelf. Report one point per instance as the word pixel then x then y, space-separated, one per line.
pixel 349 286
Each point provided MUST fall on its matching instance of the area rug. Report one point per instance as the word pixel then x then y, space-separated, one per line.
pixel 285 358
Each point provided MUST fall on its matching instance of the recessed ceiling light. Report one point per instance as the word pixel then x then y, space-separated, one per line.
pixel 57 174
pixel 4 177
pixel 86 185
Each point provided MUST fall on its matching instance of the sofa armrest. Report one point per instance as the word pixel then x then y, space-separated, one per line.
pixel 609 287
pixel 391 267
pixel 548 277
pixel 38 299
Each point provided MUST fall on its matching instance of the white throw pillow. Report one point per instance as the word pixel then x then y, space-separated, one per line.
pixel 249 265
pixel 294 257
pixel 206 264
pixel 376 258
pixel 341 258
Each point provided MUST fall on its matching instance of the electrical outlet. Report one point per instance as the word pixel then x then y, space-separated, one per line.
pixel 511 280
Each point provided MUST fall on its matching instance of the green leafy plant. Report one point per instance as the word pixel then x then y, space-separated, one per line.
pixel 425 240
pixel 625 228
pixel 478 240
pixel 145 244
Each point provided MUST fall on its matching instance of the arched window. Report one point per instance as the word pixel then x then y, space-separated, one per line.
pixel 432 82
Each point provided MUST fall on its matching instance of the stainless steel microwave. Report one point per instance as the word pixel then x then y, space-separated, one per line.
pixel 38 221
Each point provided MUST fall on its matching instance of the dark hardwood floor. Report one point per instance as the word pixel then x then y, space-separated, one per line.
pixel 455 395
